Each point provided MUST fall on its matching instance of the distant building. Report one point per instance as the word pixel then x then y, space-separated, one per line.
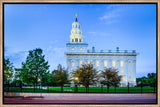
pixel 78 54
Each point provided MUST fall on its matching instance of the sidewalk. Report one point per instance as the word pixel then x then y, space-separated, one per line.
pixel 82 98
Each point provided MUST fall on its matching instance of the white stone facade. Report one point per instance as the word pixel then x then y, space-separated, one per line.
pixel 123 60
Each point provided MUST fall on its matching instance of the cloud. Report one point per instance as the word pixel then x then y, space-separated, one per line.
pixel 112 13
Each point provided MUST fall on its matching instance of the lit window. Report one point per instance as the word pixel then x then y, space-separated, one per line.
pixel 129 56
pixel 113 63
pixel 80 63
pixel 72 49
pixel 105 63
pixel 80 48
pixel 89 62
pixel 97 70
pixel 72 63
pixel 121 78
pixel 88 55
pixel 121 63
pixel 121 85
pixel 130 85
pixel 105 56
pixel 97 85
pixel 121 70
pixel 97 56
pixel 97 63
pixel 80 55
pixel 129 78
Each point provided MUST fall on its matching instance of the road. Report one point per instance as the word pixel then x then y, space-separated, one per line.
pixel 84 98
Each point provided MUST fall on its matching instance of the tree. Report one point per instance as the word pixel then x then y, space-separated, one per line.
pixel 110 77
pixel 151 75
pixel 85 75
pixel 34 68
pixel 8 70
pixel 61 76
pixel 150 80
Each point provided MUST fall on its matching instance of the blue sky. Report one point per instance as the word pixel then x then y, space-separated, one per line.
pixel 104 26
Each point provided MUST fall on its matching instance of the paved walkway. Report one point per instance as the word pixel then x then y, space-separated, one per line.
pixel 55 98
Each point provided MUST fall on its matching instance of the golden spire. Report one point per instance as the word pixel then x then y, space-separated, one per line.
pixel 76 18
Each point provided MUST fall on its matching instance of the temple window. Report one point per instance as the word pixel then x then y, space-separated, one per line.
pixel 97 63
pixel 72 63
pixel 121 78
pixel 89 62
pixel 80 63
pixel 105 63
pixel 129 78
pixel 76 40
pixel 113 63
pixel 121 63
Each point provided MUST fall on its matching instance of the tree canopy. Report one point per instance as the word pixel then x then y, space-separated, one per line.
pixel 85 75
pixel 34 69
pixel 8 70
pixel 60 76
pixel 110 77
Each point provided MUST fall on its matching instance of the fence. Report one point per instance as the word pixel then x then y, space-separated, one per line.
pixel 52 89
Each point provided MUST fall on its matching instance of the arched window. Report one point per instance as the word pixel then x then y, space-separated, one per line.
pixel 105 63
pixel 89 62
pixel 97 63
pixel 72 63
pixel 129 78
pixel 121 63
pixel 113 63
pixel 121 78
pixel 81 63
pixel 76 40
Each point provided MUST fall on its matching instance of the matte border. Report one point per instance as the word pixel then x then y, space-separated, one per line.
pixel 79 2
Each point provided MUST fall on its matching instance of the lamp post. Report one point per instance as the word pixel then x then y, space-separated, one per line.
pixel 39 81
pixel 140 82
pixel 76 81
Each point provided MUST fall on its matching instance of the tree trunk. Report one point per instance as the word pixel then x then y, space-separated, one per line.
pixel 107 88
pixel 86 89
pixel 34 87
pixel 61 88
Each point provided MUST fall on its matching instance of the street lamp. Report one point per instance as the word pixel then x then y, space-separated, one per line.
pixel 38 81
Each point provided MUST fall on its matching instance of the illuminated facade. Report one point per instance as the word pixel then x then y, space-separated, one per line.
pixel 78 54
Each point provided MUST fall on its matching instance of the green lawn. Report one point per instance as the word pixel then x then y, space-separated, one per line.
pixel 83 90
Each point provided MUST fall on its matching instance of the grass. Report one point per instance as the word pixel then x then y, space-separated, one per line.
pixel 82 90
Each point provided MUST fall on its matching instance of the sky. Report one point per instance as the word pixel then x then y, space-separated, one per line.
pixel 104 26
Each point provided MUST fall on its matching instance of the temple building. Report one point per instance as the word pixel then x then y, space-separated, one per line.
pixel 78 54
